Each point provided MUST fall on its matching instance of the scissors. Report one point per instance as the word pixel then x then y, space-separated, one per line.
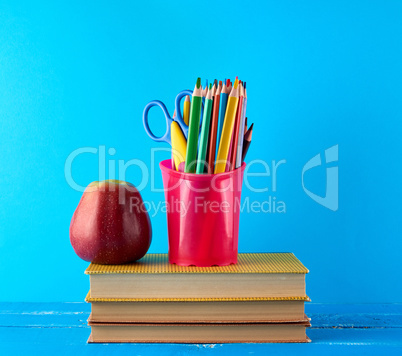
pixel 166 137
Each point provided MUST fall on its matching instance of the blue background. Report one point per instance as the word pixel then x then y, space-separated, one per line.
pixel 78 74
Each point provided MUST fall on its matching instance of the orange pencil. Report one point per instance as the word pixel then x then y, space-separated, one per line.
pixel 236 129
pixel 214 129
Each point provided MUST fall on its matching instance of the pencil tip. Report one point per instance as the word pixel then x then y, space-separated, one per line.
pixel 244 85
pixel 227 82
pixel 251 132
pixel 236 83
pixel 216 82
pixel 198 82
pixel 210 86
pixel 220 82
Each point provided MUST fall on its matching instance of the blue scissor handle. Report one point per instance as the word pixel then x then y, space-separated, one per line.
pixel 166 136
pixel 179 118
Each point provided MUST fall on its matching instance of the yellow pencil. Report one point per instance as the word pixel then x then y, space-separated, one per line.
pixel 228 123
pixel 186 109
pixel 179 144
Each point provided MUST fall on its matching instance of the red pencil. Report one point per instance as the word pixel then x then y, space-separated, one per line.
pixel 235 135
pixel 228 167
pixel 214 127
pixel 229 86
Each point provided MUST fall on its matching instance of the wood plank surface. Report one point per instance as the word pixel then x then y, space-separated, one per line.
pixel 60 328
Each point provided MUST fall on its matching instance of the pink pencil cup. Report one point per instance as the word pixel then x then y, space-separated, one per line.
pixel 203 213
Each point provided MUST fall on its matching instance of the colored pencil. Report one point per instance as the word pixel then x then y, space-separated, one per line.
pixel 173 165
pixel 239 150
pixel 247 141
pixel 229 85
pixel 227 129
pixel 227 168
pixel 245 125
pixel 222 111
pixel 186 109
pixel 214 129
pixel 179 144
pixel 181 167
pixel 205 90
pixel 245 129
pixel 194 128
pixel 206 120
pixel 236 129
pixel 214 89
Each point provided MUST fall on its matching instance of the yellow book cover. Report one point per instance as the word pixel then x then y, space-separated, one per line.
pixel 247 263
pixel 256 275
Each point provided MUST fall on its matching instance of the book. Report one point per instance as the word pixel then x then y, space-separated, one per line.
pixel 256 275
pixel 237 310
pixel 199 333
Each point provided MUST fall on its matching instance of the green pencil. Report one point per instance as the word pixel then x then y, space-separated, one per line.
pixel 193 129
pixel 206 120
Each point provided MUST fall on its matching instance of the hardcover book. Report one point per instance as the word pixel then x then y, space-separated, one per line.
pixel 256 275
pixel 199 333
pixel 197 310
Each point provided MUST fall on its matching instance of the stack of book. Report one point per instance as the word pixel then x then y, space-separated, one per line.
pixel 260 299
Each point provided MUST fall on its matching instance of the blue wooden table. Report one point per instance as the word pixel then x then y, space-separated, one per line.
pixel 61 329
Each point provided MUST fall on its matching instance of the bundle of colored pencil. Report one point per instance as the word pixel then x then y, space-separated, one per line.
pixel 223 141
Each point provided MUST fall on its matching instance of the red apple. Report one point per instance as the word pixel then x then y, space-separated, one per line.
pixel 110 224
